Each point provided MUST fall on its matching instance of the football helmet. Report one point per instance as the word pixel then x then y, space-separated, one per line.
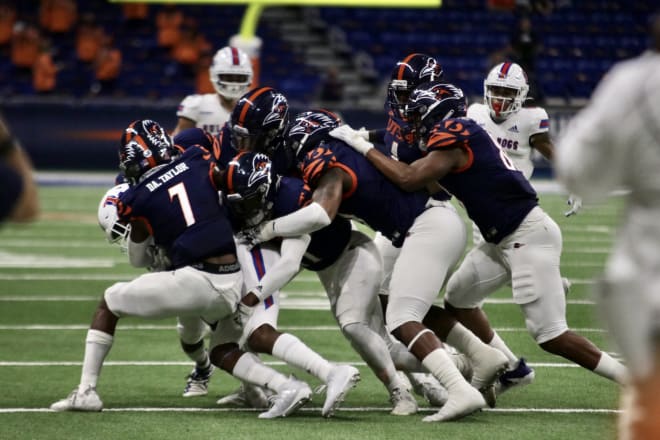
pixel 408 73
pixel 258 119
pixel 115 232
pixel 143 146
pixel 308 130
pixel 248 182
pixel 432 102
pixel 231 72
pixel 505 90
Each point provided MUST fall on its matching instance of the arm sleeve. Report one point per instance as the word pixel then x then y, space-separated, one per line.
pixel 304 221
pixel 277 276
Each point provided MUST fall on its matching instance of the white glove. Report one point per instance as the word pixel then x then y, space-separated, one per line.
pixel 258 234
pixel 575 203
pixel 353 138
pixel 364 133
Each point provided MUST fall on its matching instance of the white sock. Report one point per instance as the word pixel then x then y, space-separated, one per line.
pixel 498 343
pixel 465 341
pixel 442 368
pixel 97 346
pixel 294 352
pixel 249 369
pixel 611 369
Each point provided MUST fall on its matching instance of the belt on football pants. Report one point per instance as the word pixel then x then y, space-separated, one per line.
pixel 205 266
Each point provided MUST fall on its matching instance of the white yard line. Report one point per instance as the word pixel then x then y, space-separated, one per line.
pixel 162 327
pixel 316 409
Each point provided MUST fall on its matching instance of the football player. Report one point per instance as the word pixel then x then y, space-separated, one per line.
pixel 231 76
pixel 172 202
pixel 611 144
pixel 517 130
pixel 191 329
pixel 522 244
pixel 346 261
pixel 258 122
pixel 432 238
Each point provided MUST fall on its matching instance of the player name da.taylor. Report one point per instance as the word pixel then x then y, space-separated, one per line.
pixel 158 181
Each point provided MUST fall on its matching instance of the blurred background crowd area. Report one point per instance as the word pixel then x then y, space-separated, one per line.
pixel 344 56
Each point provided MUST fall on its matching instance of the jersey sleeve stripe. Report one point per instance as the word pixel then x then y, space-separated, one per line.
pixel 442 139
pixel 351 173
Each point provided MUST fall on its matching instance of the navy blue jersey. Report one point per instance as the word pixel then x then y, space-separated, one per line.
pixel 372 198
pixel 400 144
pixel 328 243
pixel 497 196
pixel 179 202
pixel 11 187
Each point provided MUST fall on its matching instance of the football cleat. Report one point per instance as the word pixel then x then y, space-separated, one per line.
pixel 294 395
pixel 487 366
pixel 340 380
pixel 566 284
pixel 428 387
pixel 248 395
pixel 460 403
pixel 87 400
pixel 198 382
pixel 520 375
pixel 403 403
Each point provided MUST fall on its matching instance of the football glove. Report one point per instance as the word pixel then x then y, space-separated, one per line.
pixel 353 138
pixel 575 204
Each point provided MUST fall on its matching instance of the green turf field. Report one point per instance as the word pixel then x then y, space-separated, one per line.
pixel 53 272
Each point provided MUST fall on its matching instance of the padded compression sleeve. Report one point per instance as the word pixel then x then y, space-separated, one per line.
pixel 304 221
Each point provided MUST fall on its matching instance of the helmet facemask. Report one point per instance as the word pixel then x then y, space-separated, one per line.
pixel 503 101
pixel 505 90
pixel 231 73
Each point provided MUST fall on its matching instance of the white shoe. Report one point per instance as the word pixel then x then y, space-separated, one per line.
pixel 462 402
pixel 566 284
pixel 341 379
pixel 87 400
pixel 287 401
pixel 487 367
pixel 428 387
pixel 403 403
pixel 248 395
pixel 197 383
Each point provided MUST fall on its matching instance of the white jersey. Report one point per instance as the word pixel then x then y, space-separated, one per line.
pixel 205 110
pixel 615 142
pixel 513 134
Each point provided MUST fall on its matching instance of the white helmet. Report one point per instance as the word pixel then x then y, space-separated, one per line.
pixel 115 231
pixel 231 72
pixel 505 90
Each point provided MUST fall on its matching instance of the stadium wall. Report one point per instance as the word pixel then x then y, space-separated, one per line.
pixel 83 137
